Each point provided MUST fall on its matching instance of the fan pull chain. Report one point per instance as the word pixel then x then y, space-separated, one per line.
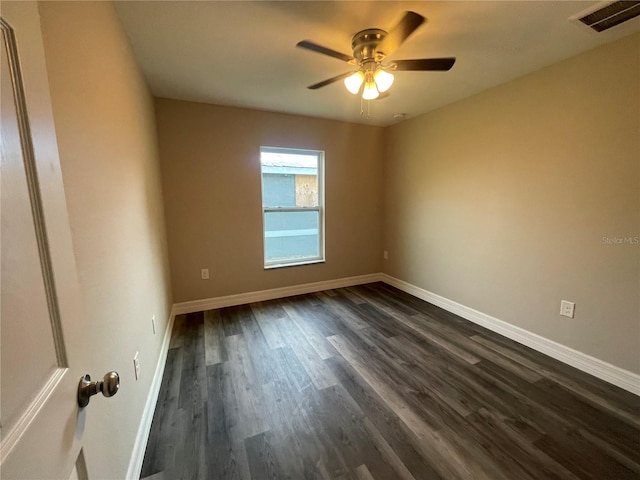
pixel 362 114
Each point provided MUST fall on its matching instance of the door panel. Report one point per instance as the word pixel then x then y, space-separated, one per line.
pixel 41 321
pixel 24 296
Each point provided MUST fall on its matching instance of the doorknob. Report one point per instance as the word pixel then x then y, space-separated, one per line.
pixel 108 386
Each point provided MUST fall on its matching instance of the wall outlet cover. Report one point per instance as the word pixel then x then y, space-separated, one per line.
pixel 567 308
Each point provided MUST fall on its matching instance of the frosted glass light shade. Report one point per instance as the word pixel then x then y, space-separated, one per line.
pixel 370 91
pixel 383 79
pixel 353 82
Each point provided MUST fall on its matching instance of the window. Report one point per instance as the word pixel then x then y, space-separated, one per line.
pixel 292 206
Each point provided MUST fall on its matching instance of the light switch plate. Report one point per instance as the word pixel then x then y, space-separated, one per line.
pixel 136 365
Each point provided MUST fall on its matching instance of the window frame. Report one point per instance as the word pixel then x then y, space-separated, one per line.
pixel 320 258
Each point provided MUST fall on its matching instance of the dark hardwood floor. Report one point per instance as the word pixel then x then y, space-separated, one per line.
pixel 370 382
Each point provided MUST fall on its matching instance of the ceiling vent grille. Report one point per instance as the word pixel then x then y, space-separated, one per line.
pixel 611 15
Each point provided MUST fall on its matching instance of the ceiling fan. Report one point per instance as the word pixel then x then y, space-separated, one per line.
pixel 370 48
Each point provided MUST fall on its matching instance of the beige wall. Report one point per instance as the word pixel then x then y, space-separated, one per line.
pixel 500 202
pixel 105 124
pixel 211 182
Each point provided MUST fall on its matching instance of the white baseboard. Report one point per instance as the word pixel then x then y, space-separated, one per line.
pixel 598 368
pixel 262 295
pixel 140 445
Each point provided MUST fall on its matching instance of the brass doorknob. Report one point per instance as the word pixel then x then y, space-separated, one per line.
pixel 108 386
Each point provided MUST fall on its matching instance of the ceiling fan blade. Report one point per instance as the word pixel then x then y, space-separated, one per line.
pixel 328 81
pixel 423 64
pixel 400 32
pixel 314 47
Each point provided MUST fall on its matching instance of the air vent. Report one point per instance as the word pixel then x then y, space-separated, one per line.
pixel 611 14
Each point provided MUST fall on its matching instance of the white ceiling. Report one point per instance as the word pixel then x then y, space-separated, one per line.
pixel 243 53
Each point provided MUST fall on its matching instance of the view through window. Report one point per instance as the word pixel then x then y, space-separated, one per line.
pixel 292 203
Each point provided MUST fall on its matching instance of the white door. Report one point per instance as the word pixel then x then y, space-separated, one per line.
pixel 41 315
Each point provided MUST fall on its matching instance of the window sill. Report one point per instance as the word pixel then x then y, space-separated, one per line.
pixel 293 264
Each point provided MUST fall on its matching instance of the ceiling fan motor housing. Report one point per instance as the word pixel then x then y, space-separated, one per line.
pixel 365 44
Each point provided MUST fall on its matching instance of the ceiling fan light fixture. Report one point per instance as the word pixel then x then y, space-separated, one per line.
pixel 354 82
pixel 370 91
pixel 383 80
pixel 372 47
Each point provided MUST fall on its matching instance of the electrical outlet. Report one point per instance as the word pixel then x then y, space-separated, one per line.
pixel 385 255
pixel 204 273
pixel 136 365
pixel 153 324
pixel 567 308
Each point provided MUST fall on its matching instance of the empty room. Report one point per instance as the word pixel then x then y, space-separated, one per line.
pixel 320 240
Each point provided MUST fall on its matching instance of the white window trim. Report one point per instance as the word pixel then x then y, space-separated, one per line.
pixel 320 209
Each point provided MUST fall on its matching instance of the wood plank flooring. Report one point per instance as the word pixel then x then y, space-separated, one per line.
pixel 369 382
